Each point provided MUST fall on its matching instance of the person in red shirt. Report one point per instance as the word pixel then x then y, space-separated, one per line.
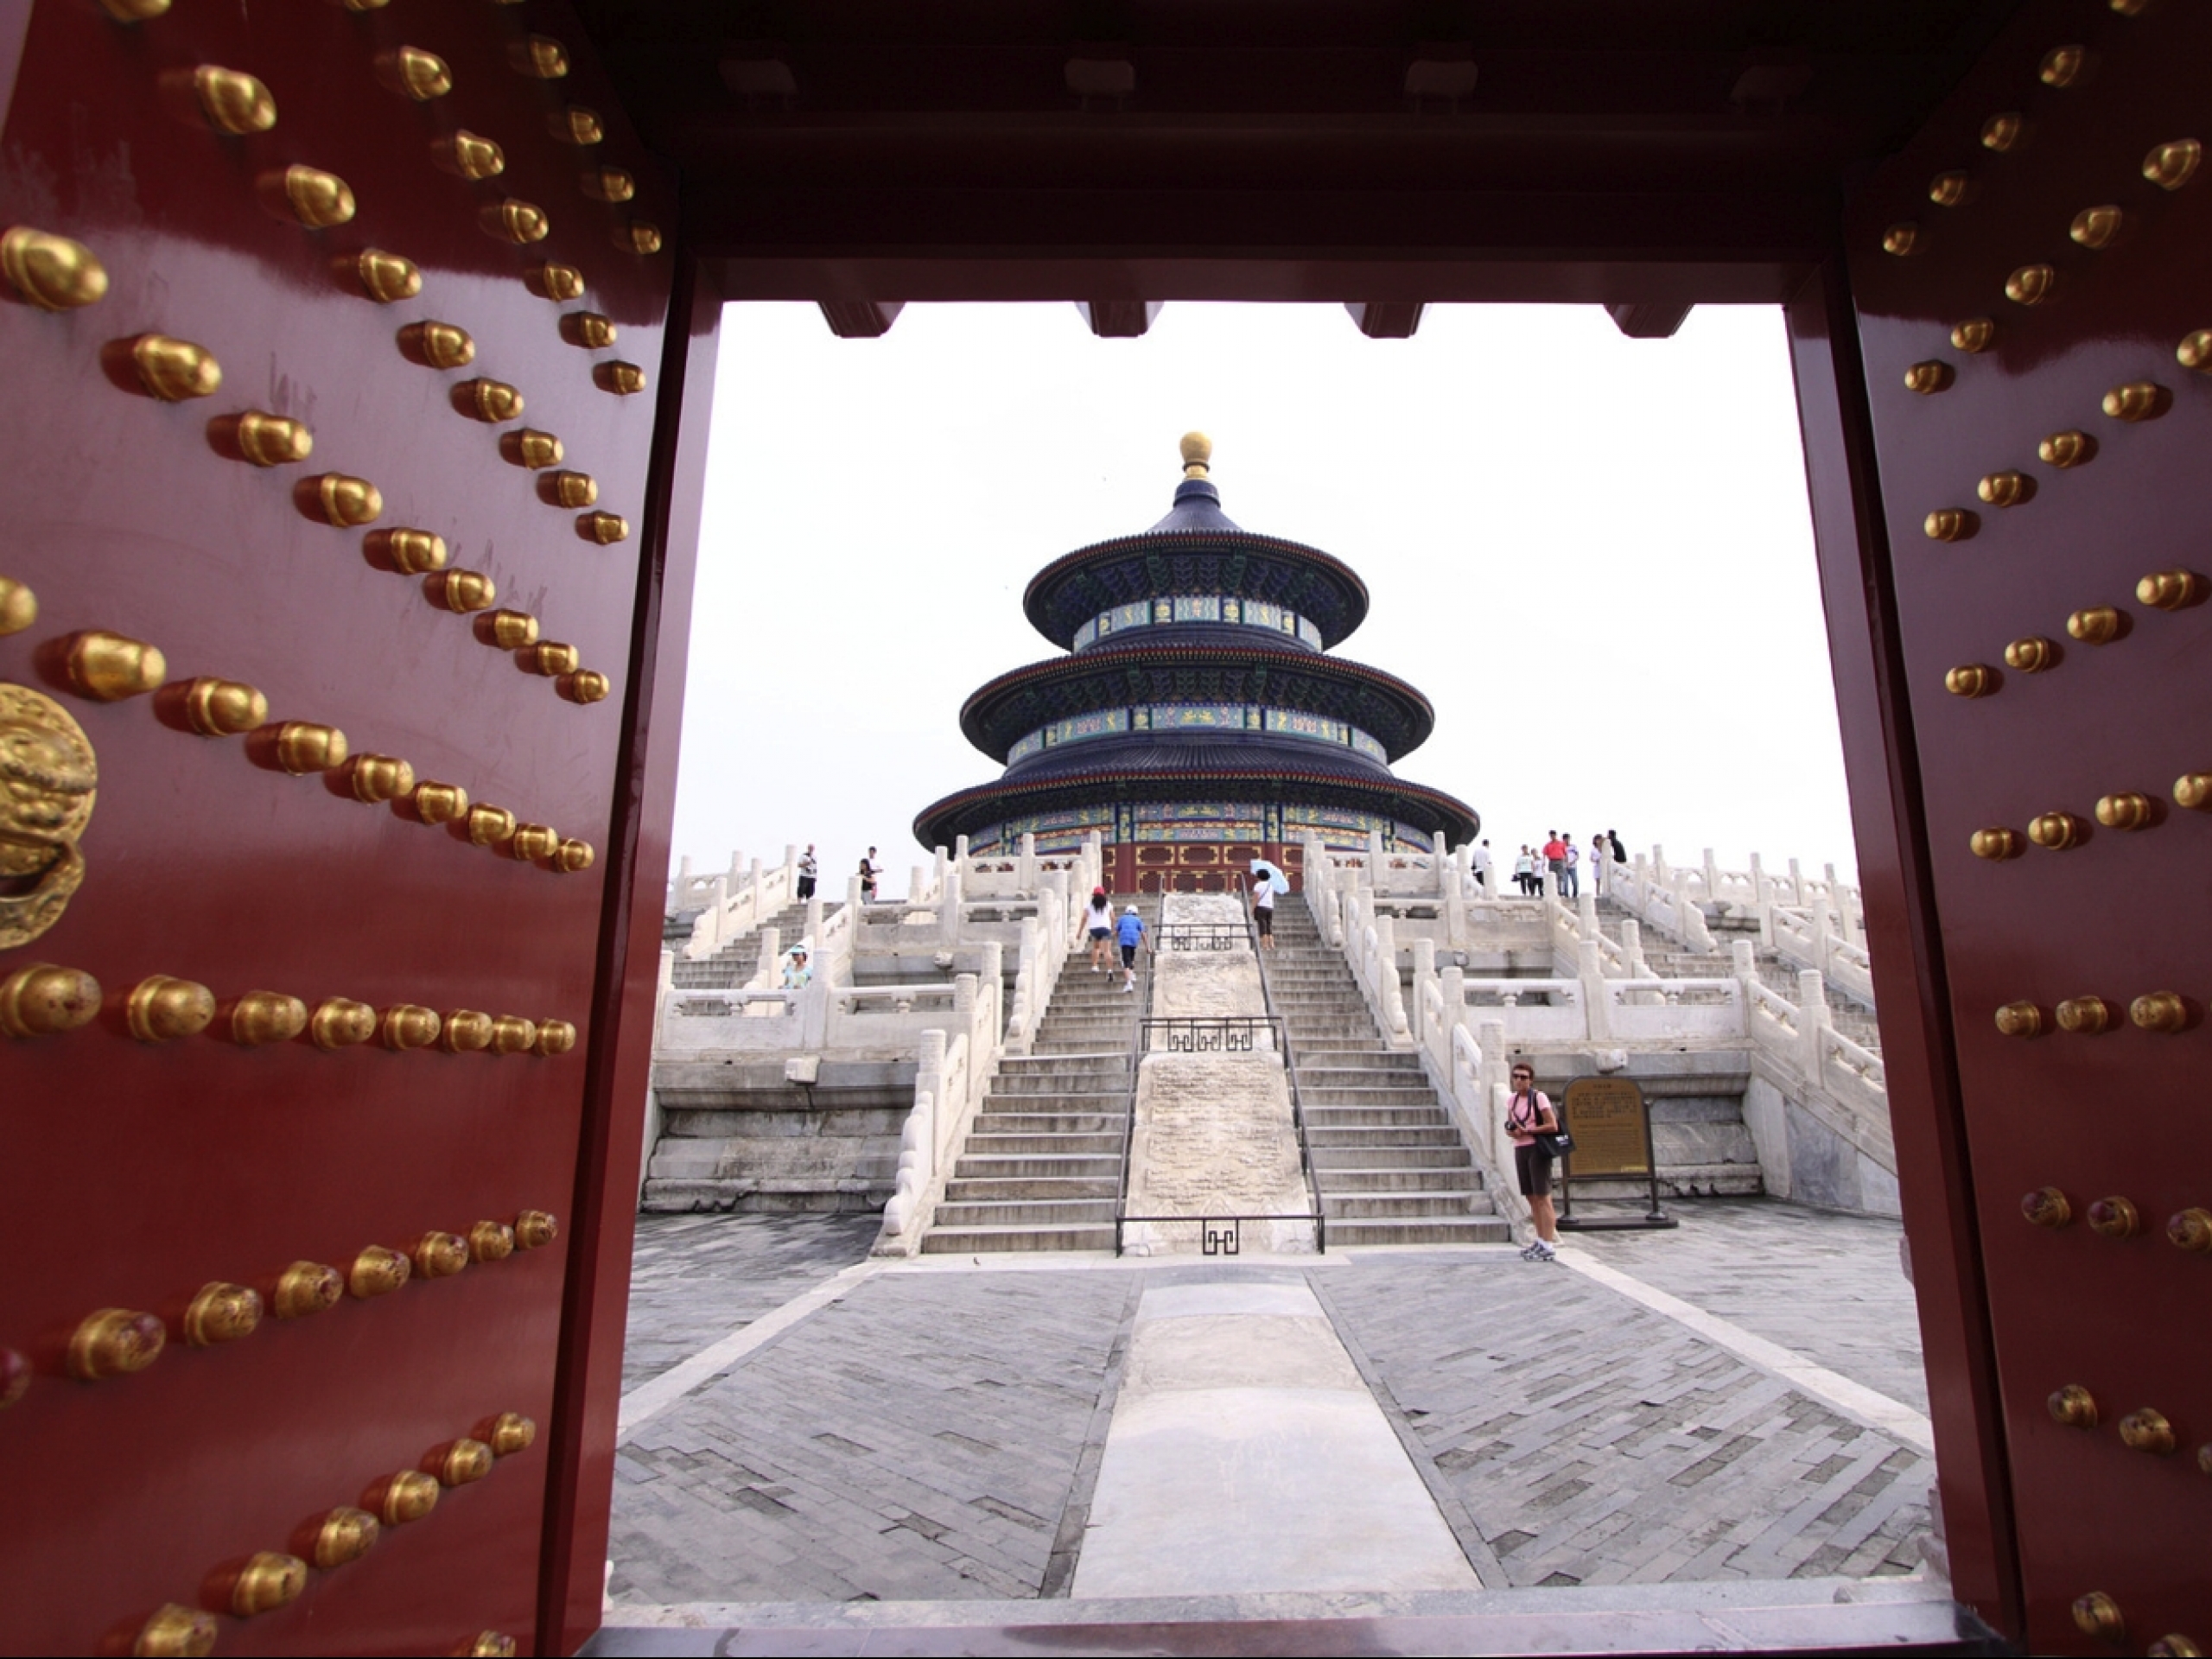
pixel 1555 856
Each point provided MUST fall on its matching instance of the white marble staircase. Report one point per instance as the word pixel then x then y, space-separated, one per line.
pixel 1388 1161
pixel 1041 1167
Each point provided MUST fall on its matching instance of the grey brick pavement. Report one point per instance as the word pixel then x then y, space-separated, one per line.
pixel 695 1279
pixel 1829 1287
pixel 1592 1441
pixel 917 1440
pixel 926 1437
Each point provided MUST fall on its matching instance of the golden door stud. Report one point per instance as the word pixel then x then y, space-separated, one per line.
pixel 2047 1207
pixel 164 1009
pixel 385 277
pixel 51 272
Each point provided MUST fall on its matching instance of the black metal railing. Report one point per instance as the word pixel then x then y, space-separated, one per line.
pixel 1129 1104
pixel 1305 1164
pixel 1208 1033
pixel 1205 936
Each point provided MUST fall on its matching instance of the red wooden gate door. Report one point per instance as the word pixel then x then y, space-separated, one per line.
pixel 2032 278
pixel 326 332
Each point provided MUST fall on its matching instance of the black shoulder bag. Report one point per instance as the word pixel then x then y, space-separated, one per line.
pixel 1556 1145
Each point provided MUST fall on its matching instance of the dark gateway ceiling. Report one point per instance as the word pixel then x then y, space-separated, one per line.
pixel 1645 155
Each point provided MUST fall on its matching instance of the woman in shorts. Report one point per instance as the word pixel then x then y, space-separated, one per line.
pixel 1099 919
pixel 1530 1115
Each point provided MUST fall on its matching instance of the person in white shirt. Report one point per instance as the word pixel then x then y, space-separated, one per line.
pixel 1099 919
pixel 1482 871
pixel 1601 857
pixel 1263 906
pixel 1570 878
pixel 807 871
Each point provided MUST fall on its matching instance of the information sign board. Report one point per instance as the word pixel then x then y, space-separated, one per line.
pixel 1611 1130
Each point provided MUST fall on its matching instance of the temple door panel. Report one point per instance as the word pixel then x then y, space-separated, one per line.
pixel 324 334
pixel 2030 275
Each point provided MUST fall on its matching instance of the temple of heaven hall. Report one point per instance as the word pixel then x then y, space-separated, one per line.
pixel 1197 723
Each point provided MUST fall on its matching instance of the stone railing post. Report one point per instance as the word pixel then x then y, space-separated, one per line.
pixel 1712 875
pixel 708 928
pixel 1824 939
pixel 963 996
pixel 1386 968
pixel 917 888
pixel 1796 884
pixel 853 902
pixel 1025 874
pixel 948 905
pixel 1452 983
pixel 1813 1020
pixel 1586 916
pixel 1424 971
pixel 814 921
pixel 764 970
pixel 814 1015
pixel 1659 865
pixel 1590 970
pixel 937 872
pixel 929 1078
pixel 1763 892
pixel 1375 859
pixel 755 887
pixel 1848 912
pixel 791 869
pixel 1632 948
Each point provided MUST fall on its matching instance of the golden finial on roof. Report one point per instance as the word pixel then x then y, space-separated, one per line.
pixel 1197 454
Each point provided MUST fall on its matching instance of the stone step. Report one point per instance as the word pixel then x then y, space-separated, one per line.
pixel 1418 1229
pixel 1373 1117
pixel 1003 1212
pixel 1413 1094
pixel 1065 1144
pixel 1430 1201
pixel 1365 1179
pixel 1394 1136
pixel 1379 1074
pixel 1036 1073
pixel 1052 1189
pixel 1027 1167
pixel 1062 1122
pixel 978 1241
pixel 1362 1158
pixel 1054 1048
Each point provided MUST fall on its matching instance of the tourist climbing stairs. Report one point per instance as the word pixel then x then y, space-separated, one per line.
pixel 1389 1163
pixel 736 962
pixel 1042 1163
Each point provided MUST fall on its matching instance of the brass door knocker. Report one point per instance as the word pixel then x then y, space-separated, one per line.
pixel 48 781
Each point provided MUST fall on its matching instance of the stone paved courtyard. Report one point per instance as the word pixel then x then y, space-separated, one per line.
pixel 934 1434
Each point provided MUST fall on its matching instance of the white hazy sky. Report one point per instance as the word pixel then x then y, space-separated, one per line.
pixel 1592 554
